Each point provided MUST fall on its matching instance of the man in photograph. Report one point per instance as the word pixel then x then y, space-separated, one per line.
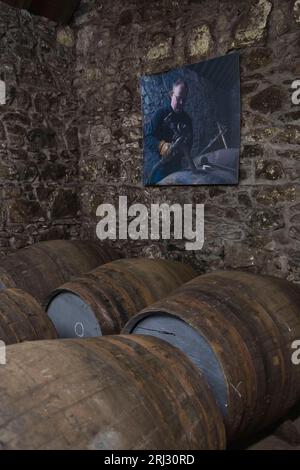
pixel 169 136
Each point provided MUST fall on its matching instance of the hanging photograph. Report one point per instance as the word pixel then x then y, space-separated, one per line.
pixel 191 124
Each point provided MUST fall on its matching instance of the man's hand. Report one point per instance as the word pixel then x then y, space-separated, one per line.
pixel 165 148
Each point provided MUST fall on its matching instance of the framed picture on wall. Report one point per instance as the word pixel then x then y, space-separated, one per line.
pixel 191 124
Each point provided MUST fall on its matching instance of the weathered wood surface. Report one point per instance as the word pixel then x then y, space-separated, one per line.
pixel 246 325
pixel 117 392
pixel 22 318
pixel 40 268
pixel 103 300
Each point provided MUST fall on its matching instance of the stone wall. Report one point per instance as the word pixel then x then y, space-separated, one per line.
pixel 38 133
pixel 255 225
pixel 83 81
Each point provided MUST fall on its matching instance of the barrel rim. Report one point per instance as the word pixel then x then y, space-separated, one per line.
pixel 151 311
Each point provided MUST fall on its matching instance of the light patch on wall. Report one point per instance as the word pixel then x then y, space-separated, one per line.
pixel 297 11
pixel 253 27
pixel 162 50
pixel 200 41
pixel 2 92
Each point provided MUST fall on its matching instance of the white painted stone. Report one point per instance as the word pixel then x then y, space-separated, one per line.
pixel 254 30
pixel 162 50
pixel 200 41
pixel 297 11
pixel 65 37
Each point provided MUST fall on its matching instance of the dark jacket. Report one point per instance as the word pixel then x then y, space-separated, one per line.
pixel 166 125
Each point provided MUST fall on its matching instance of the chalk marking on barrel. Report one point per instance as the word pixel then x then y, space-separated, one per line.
pixel 157 331
pixel 82 329
pixel 236 390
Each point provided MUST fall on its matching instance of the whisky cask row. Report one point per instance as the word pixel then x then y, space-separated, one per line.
pixel 22 318
pixel 238 328
pixel 40 268
pixel 101 302
pixel 115 392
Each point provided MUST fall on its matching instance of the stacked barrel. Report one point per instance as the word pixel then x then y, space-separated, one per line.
pixel 103 300
pixel 238 329
pixel 149 356
pixel 28 276
pixel 44 266
pixel 87 393
pixel 22 318
pixel 115 392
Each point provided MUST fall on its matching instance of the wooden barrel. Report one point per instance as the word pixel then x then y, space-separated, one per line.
pixel 40 268
pixel 22 318
pixel 118 392
pixel 102 301
pixel 238 328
